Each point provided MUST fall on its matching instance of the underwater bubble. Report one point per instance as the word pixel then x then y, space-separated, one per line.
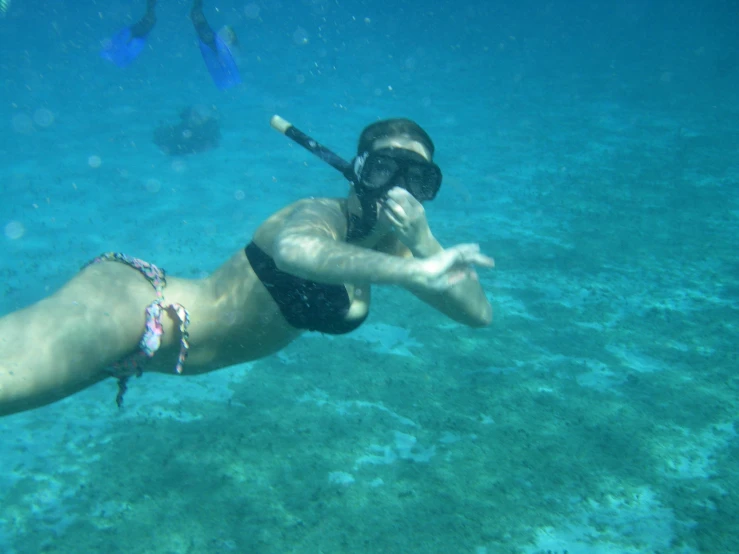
pixel 14 230
pixel 300 36
pixel 43 117
pixel 179 166
pixel 22 124
pixel 94 161
pixel 251 11
pixel 153 185
pixel 239 195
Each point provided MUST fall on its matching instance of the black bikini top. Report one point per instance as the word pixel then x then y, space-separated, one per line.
pixel 304 304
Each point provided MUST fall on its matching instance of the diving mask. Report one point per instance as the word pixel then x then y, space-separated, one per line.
pixel 379 171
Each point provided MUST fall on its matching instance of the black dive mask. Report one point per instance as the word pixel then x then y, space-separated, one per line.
pixel 379 171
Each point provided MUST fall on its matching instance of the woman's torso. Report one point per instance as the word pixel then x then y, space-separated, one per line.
pixel 234 316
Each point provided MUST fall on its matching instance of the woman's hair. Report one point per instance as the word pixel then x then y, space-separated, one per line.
pixel 393 128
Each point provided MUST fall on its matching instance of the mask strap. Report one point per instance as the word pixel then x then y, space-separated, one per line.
pixel 360 227
pixel 358 165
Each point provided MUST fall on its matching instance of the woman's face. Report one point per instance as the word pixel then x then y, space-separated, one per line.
pixel 392 161
pixel 402 142
pixel 382 225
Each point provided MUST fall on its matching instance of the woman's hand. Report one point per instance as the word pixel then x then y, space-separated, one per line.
pixel 407 217
pixel 447 268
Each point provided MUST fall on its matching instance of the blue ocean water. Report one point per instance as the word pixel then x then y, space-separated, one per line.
pixel 591 148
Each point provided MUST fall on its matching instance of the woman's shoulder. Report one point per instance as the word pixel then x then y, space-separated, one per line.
pixel 319 212
pixel 319 202
pixel 310 207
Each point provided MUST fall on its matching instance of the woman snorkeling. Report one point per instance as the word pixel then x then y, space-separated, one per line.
pixel 216 48
pixel 309 266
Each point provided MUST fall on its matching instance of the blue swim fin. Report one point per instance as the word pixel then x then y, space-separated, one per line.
pixel 123 48
pixel 220 63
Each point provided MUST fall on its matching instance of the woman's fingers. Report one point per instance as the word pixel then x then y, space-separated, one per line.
pixel 484 261
pixel 392 218
pixel 404 205
pixel 470 254
pixel 400 195
pixel 451 266
pixel 394 206
pixel 396 213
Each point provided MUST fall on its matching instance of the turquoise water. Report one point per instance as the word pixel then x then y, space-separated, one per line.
pixel 591 150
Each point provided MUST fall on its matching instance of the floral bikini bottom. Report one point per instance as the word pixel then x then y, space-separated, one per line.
pixel 154 330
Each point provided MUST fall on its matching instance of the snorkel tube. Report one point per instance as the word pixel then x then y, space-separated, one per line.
pixel 332 159
pixel 359 227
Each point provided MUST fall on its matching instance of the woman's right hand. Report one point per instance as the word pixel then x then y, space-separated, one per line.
pixel 447 268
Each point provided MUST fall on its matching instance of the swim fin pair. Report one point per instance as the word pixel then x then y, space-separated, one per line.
pixel 128 44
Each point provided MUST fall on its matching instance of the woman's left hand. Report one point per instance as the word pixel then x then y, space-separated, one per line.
pixel 407 216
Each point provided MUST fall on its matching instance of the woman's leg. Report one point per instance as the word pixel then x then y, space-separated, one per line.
pixel 217 54
pixel 204 31
pixel 64 343
pixel 144 25
pixel 128 43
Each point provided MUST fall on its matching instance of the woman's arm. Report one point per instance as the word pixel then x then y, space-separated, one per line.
pixel 311 246
pixel 465 301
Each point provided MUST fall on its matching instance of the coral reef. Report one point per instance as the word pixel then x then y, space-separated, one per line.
pixel 197 131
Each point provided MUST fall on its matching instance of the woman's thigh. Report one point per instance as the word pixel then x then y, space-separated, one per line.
pixel 64 343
